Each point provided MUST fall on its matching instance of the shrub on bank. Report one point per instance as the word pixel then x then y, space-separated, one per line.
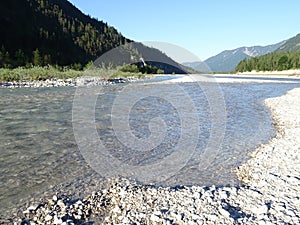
pixel 37 73
pixel 51 72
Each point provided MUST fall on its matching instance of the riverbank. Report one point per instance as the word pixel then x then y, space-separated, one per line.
pixel 270 194
pixel 50 76
pixel 235 78
pixel 283 72
pixel 70 82
pixel 256 78
pixel 93 80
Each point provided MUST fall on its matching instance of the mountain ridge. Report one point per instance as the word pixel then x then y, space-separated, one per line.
pixel 286 57
pixel 60 32
pixel 227 60
pixel 56 32
pixel 291 45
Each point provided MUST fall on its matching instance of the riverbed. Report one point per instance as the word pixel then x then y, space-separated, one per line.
pixel 39 151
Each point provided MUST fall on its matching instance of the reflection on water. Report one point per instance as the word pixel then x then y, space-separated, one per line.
pixel 38 148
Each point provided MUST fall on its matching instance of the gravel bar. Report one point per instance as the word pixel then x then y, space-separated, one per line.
pixel 270 193
pixel 70 82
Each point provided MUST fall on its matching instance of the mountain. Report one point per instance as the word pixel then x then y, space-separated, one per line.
pixel 55 32
pixel 227 60
pixel 197 66
pixel 291 45
pixel 60 32
pixel 286 57
pixel 141 55
pixel 275 61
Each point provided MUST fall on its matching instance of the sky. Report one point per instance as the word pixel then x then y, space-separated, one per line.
pixel 203 27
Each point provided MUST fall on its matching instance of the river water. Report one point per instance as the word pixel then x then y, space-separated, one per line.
pixel 39 152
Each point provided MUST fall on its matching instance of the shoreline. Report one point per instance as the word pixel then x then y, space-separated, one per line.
pixel 257 78
pixel 295 72
pixel 271 194
pixel 70 82
pixel 235 78
pixel 179 78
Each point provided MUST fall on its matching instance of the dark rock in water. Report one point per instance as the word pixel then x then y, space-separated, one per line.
pixel 117 80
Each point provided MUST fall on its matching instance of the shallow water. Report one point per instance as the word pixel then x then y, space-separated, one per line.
pixel 38 148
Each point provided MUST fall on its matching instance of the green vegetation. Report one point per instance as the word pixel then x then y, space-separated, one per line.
pixel 37 73
pixel 138 68
pixel 286 57
pixel 51 32
pixel 270 62
pixel 51 72
pixel 45 39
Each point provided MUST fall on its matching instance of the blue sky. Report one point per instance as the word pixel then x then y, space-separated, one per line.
pixel 204 27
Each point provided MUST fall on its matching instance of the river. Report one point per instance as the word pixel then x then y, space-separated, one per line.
pixel 39 152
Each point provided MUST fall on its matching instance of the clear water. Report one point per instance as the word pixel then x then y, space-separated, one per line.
pixel 38 149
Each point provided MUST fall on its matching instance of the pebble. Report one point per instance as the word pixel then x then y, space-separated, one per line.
pixel 260 210
pixel 154 218
pixel 54 198
pixel 224 213
pixel 57 220
pixel 48 218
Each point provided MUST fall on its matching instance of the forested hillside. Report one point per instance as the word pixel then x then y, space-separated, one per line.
pixel 270 62
pixel 286 57
pixel 55 32
pixel 42 32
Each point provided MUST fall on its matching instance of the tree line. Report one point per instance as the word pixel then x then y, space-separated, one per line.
pixel 51 32
pixel 19 58
pixel 270 62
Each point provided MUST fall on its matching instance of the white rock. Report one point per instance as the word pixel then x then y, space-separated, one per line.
pixel 61 204
pixel 57 220
pixel 259 210
pixel 262 222
pixel 48 218
pixel 77 217
pixel 224 212
pixel 116 209
pixel 223 195
pixel 32 208
pixel 154 218
pixel 54 198
pixel 212 217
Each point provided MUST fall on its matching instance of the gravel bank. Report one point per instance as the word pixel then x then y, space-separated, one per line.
pixel 72 82
pixel 270 194
pixel 283 72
